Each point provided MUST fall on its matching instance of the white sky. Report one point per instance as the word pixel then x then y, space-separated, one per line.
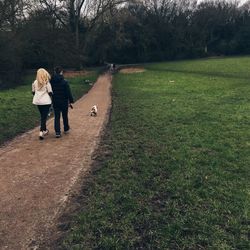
pixel 241 1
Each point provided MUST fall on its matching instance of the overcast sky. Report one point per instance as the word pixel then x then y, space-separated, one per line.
pixel 241 1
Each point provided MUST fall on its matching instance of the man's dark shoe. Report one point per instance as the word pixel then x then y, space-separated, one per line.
pixel 66 131
pixel 58 135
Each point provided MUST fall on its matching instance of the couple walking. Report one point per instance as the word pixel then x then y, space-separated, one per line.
pixel 56 91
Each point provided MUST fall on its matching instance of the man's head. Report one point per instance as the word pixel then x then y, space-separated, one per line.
pixel 58 70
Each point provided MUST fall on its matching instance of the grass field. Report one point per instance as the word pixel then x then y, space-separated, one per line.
pixel 174 172
pixel 18 114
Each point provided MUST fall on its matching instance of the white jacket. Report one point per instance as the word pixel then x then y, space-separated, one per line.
pixel 41 96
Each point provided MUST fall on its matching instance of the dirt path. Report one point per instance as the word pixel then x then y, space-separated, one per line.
pixel 37 176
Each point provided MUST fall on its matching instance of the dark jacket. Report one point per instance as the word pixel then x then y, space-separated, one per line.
pixel 61 91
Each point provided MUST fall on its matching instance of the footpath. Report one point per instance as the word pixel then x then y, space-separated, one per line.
pixel 36 177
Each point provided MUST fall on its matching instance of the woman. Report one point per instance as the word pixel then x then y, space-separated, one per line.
pixel 42 92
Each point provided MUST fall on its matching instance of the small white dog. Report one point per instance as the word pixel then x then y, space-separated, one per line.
pixel 94 110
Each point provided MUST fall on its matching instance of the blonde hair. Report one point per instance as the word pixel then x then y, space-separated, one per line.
pixel 42 77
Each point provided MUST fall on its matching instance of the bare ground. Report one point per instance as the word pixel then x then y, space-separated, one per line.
pixel 37 177
pixel 71 73
pixel 132 70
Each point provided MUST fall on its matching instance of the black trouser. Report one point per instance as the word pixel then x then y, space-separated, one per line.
pixel 58 109
pixel 44 110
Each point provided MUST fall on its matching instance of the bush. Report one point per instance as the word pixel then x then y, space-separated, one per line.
pixel 10 61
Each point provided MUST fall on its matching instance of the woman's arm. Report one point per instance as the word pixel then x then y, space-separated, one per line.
pixel 33 88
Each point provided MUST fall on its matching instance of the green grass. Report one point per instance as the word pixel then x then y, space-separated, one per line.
pixel 177 171
pixel 18 114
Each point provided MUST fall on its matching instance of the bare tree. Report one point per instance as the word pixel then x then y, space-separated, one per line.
pixel 11 12
pixel 78 11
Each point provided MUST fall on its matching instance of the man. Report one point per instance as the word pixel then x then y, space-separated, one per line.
pixel 62 99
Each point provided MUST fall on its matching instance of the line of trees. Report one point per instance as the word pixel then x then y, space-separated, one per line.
pixel 78 33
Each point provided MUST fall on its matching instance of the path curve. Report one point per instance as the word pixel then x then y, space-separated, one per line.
pixel 36 177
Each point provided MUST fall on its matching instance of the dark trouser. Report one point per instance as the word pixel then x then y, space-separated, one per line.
pixel 58 109
pixel 44 110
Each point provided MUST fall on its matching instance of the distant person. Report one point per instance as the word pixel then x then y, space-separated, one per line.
pixel 42 92
pixel 62 99
pixel 112 67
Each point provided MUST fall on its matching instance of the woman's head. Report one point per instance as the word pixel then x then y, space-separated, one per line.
pixel 42 77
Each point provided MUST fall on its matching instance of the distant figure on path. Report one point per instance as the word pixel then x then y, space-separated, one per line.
pixel 62 99
pixel 112 68
pixel 42 91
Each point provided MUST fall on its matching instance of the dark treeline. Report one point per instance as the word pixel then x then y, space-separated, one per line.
pixel 78 33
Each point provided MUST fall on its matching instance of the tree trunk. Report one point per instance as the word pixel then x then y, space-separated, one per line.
pixel 77 35
pixel 77 43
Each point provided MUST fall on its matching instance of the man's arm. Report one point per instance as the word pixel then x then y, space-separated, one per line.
pixel 69 94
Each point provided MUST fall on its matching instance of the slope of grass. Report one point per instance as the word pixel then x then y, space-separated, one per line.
pixel 178 167
pixel 18 114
